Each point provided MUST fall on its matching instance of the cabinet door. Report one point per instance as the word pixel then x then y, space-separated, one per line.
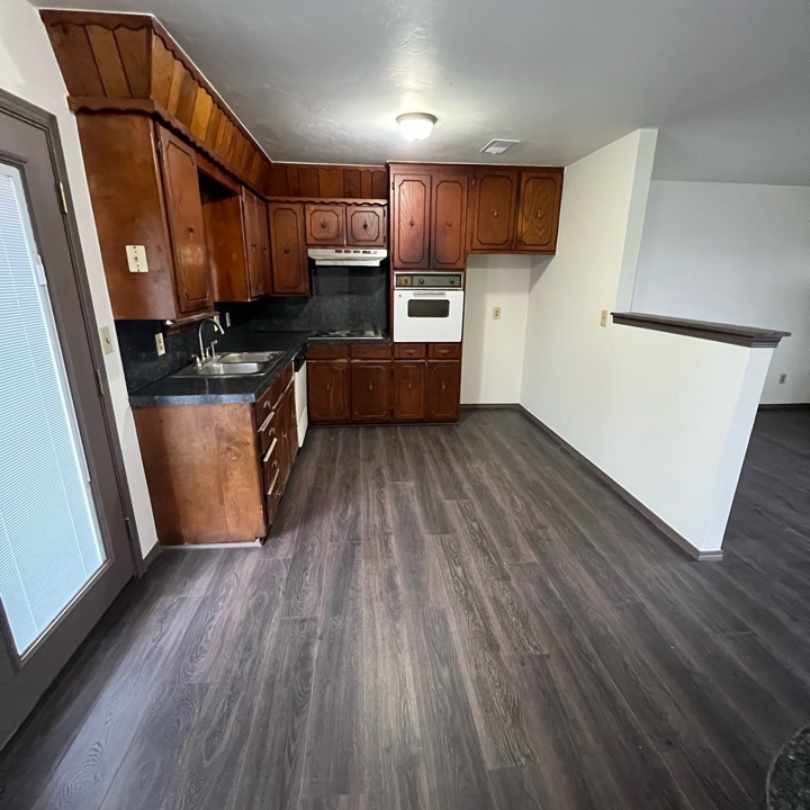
pixel 493 209
pixel 409 391
pixel 265 266
pixel 449 222
pixel 181 186
pixel 326 225
pixel 366 225
pixel 257 276
pixel 411 218
pixel 288 250
pixel 371 391
pixel 328 390
pixel 443 391
pixel 539 210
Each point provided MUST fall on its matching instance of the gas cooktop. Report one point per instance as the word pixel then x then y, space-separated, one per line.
pixel 348 334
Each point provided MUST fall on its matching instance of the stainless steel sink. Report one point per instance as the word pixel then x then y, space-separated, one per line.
pixel 215 368
pixel 248 357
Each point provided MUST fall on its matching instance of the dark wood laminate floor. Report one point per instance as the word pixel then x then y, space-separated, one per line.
pixel 446 617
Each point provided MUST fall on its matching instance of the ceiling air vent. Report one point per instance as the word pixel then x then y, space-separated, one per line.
pixel 497 146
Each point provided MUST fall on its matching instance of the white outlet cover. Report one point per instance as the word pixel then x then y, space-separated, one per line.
pixel 136 259
pixel 107 345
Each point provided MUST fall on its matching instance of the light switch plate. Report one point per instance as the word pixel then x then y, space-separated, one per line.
pixel 160 344
pixel 496 313
pixel 603 320
pixel 136 259
pixel 107 345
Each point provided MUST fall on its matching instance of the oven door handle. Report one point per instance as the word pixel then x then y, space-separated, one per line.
pixel 428 294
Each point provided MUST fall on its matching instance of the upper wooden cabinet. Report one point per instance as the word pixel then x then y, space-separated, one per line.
pixel 411 219
pixel 539 210
pixel 448 224
pixel 129 63
pixel 326 224
pixel 145 194
pixel 290 271
pixel 492 213
pixel 367 225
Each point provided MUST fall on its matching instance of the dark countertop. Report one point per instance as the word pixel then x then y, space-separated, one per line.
pixel 173 390
pixel 210 390
pixel 789 776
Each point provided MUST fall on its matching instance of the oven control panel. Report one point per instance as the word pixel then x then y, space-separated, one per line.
pixel 430 281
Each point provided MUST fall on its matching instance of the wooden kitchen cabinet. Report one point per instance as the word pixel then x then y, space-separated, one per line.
pixel 290 268
pixel 325 225
pixel 328 385
pixel 145 192
pixel 238 241
pixel 443 390
pixel 217 473
pixel 448 228
pixel 409 391
pixel 492 209
pixel 371 390
pixel 539 210
pixel 366 225
pixel 411 220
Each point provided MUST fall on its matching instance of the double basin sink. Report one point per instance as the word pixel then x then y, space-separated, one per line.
pixel 232 364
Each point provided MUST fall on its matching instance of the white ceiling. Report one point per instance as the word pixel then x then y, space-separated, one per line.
pixel 727 81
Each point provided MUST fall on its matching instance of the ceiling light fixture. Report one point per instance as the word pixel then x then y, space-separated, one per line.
pixel 416 126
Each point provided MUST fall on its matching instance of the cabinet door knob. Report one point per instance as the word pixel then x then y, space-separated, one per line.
pixel 495 214
pixel 411 223
pixel 323 225
pixel 444 385
pixel 371 386
pixel 539 214
pixel 286 251
pixel 365 226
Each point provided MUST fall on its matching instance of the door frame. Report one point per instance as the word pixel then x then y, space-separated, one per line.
pixel 47 122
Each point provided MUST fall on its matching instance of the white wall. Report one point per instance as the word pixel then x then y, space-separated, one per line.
pixel 492 367
pixel 666 416
pixel 28 69
pixel 734 253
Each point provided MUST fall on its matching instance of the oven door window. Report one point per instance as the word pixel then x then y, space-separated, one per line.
pixel 428 308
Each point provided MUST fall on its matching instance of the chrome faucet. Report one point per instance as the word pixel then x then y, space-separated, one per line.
pixel 209 352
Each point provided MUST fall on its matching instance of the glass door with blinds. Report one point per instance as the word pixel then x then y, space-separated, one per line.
pixel 50 546
pixel 64 549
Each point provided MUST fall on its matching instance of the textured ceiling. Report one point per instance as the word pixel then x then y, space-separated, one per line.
pixel 727 81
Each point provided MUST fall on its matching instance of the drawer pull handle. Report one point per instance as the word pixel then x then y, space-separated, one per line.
pixel 266 456
pixel 267 420
pixel 273 484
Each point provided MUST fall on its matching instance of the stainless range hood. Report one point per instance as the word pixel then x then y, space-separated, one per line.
pixel 348 257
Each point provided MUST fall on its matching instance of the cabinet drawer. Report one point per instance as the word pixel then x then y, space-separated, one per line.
pixel 409 351
pixel 272 489
pixel 444 351
pixel 327 351
pixel 270 397
pixel 371 351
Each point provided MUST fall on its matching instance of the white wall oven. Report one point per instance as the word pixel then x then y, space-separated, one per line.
pixel 428 307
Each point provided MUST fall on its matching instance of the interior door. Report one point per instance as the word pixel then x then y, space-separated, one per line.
pixel 64 547
pixel 181 186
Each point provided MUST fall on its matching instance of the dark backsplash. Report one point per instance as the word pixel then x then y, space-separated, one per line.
pixel 342 298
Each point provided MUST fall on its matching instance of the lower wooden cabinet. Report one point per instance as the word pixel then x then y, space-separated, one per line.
pixel 217 473
pixel 409 391
pixel 377 383
pixel 371 391
pixel 443 390
pixel 328 385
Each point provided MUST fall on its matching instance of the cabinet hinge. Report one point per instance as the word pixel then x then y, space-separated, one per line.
pixel 62 197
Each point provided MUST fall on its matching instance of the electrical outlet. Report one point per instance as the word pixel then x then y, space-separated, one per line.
pixel 227 320
pixel 106 340
pixel 782 379
pixel 160 344
pixel 603 320
pixel 496 313
pixel 136 259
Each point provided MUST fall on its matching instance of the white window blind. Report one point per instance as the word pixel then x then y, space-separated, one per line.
pixel 49 538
